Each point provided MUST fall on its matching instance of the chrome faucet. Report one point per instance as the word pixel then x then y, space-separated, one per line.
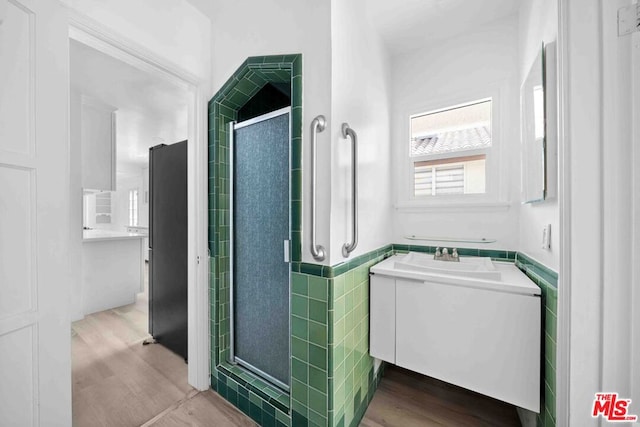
pixel 444 255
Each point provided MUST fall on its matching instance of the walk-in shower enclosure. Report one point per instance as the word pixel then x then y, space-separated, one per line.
pixel 329 374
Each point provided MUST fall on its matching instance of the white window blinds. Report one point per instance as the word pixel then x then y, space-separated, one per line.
pixel 436 180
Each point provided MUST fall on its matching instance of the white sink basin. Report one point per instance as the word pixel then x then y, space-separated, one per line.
pixel 476 267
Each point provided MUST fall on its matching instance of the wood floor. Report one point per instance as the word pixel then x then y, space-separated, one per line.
pixel 118 382
pixel 407 399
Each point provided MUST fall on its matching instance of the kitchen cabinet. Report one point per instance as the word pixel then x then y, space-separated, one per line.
pixel 145 232
pixel 112 269
pixel 98 145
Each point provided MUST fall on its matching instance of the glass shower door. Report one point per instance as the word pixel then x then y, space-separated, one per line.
pixel 260 227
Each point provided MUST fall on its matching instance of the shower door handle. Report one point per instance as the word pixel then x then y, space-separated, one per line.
pixel 347 132
pixel 287 253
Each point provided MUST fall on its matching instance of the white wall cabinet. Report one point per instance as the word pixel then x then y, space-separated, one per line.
pixel 98 145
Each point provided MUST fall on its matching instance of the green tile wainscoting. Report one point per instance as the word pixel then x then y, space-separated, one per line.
pixel 332 371
pixel 333 378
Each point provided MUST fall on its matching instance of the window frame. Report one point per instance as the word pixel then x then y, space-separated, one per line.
pixel 134 207
pixel 494 188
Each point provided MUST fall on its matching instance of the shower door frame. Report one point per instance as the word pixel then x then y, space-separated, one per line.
pixel 233 359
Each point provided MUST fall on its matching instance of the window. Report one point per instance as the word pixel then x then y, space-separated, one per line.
pixel 449 150
pixel 133 208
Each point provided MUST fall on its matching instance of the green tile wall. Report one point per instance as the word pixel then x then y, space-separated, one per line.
pixel 496 255
pixel 352 380
pixel 333 379
pixel 262 402
pixel 309 349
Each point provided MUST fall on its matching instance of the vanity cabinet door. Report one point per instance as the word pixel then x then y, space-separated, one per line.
pixel 479 339
pixel 98 146
pixel 382 318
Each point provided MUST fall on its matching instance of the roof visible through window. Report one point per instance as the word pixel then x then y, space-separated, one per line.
pixel 452 130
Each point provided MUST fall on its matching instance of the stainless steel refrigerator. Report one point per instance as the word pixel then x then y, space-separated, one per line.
pixel 168 246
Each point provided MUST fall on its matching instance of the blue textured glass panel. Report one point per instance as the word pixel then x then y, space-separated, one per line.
pixel 260 227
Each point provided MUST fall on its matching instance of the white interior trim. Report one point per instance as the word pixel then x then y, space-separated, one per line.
pixel 96 35
pixel 617 216
pixel 635 260
pixel 564 195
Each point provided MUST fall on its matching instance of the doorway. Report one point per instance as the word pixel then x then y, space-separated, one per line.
pixel 90 35
pixel 117 114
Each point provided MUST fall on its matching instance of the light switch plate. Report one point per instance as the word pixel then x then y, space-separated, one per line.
pixel 546 237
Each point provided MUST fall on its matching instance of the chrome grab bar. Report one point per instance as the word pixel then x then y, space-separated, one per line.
pixel 347 248
pixel 317 125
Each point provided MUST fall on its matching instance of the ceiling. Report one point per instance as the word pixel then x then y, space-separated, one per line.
pixel 406 25
pixel 150 109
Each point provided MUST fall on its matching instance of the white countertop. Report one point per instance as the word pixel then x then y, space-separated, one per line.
pixel 513 280
pixel 102 235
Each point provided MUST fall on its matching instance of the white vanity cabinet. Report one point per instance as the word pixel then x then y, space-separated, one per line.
pixel 459 331
pixel 98 145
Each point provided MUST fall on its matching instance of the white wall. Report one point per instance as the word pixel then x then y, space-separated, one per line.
pixel 244 28
pixel 360 80
pixel 538 24
pixel 449 70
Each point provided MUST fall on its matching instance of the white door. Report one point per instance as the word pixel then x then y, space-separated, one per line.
pixel 35 361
